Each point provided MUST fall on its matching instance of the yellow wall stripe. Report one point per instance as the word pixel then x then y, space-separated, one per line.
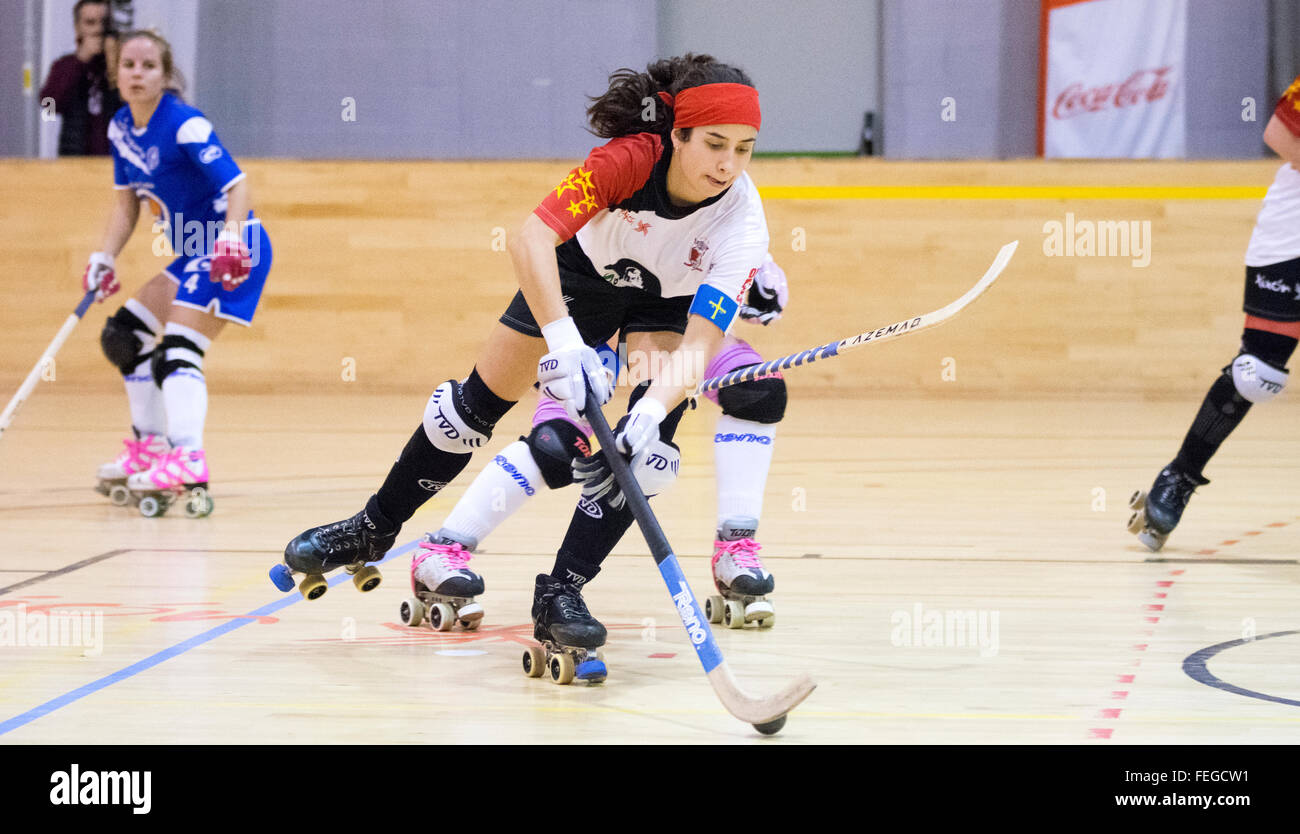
pixel 1012 192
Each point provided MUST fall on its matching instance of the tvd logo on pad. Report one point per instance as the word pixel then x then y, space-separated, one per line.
pixel 107 787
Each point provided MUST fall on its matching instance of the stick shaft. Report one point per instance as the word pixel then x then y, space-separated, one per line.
pixel 29 384
pixel 879 334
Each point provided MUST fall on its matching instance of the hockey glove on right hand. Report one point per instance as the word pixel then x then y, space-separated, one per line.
pixel 99 276
pixel 767 296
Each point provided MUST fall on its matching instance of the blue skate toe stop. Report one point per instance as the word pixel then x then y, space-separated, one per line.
pixel 282 578
pixel 591 670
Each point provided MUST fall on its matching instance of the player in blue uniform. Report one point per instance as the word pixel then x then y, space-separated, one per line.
pixel 167 155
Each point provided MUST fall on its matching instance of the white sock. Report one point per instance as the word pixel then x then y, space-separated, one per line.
pixel 496 493
pixel 185 389
pixel 742 453
pixel 148 413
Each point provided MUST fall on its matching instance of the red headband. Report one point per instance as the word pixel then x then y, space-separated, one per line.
pixel 715 104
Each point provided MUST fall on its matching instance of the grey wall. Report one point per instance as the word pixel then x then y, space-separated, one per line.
pixel 1227 61
pixel 983 54
pixel 17 111
pixel 814 62
pixel 492 78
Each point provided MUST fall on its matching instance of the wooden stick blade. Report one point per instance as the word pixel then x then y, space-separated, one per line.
pixel 754 710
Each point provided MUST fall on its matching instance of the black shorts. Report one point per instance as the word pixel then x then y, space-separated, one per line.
pixel 600 309
pixel 1273 291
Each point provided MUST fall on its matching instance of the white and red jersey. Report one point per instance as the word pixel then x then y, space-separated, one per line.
pixel 617 223
pixel 1277 228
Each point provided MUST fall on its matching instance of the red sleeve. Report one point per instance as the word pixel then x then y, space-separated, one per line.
pixel 64 75
pixel 1288 109
pixel 612 173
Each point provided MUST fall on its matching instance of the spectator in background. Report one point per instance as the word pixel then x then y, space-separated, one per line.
pixel 79 85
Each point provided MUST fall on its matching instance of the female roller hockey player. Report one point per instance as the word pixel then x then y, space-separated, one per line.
pixel 743 439
pixel 167 154
pixel 659 234
pixel 1258 373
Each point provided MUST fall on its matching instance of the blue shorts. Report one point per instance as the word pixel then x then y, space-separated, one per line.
pixel 197 291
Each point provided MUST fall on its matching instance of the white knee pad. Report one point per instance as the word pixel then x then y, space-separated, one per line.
pixel 446 427
pixel 656 467
pixel 1256 380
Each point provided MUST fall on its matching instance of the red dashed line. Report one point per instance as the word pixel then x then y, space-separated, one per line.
pixel 1126 678
pixel 663 654
pixel 1100 733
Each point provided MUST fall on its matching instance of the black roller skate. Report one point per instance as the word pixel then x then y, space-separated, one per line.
pixel 347 544
pixel 446 587
pixel 569 635
pixel 1157 513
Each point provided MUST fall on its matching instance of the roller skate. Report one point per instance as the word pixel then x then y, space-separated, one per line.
pixel 139 455
pixel 177 475
pixel 1157 513
pixel 347 544
pixel 440 563
pixel 740 578
pixel 569 635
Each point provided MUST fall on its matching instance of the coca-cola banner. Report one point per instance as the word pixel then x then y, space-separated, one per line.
pixel 1114 78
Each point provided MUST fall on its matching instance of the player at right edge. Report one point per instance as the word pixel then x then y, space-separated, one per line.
pixel 1258 373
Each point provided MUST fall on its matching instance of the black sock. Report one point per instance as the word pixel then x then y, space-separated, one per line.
pixel 1221 411
pixel 423 469
pixel 589 538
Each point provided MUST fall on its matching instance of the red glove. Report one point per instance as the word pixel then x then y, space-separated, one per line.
pixel 99 276
pixel 230 263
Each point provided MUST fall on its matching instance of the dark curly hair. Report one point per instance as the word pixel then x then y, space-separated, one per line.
pixel 622 110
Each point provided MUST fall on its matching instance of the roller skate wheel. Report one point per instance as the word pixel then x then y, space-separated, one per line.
pixel 151 507
pixel 411 612
pixel 471 625
pixel 734 614
pixel 758 610
pixel 367 578
pixel 591 670
pixel 282 577
pixel 713 607
pixel 534 662
pixel 561 666
pixel 313 586
pixel 768 621
pixel 1137 522
pixel 199 504
pixel 771 727
pixel 1138 500
pixel 119 495
pixel 441 616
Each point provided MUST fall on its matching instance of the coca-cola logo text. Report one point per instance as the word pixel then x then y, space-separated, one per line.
pixel 1142 87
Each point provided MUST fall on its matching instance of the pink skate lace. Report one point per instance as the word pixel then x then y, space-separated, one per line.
pixel 454 555
pixel 163 476
pixel 137 456
pixel 744 552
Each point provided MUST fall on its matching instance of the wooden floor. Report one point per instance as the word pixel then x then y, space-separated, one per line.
pixel 899 497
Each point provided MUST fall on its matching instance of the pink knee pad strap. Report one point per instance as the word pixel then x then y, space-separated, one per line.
pixel 736 353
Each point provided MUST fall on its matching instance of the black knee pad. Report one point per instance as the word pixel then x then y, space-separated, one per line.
pixel 163 367
pixel 759 401
pixel 1273 348
pixel 554 444
pixel 668 428
pixel 121 341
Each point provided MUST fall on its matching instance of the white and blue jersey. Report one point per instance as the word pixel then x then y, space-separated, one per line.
pixel 179 168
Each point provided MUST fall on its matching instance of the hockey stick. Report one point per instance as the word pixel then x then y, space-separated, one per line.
pixel 901 328
pixel 766 714
pixel 35 376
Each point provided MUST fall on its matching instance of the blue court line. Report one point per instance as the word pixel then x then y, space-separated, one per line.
pixel 180 648
pixel 1196 669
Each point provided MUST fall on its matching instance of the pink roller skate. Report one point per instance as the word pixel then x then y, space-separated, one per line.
pixel 180 474
pixel 740 578
pixel 138 456
pixel 444 585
